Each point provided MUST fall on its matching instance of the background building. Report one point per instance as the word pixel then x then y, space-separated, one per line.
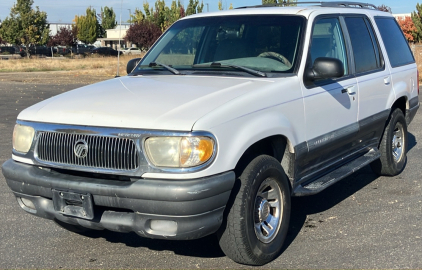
pixel 113 36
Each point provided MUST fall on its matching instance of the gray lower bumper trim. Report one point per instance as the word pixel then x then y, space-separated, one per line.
pixel 196 205
pixel 188 227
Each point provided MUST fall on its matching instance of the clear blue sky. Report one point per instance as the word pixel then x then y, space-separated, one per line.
pixel 65 10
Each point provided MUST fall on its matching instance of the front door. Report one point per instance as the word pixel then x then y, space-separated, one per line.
pixel 331 106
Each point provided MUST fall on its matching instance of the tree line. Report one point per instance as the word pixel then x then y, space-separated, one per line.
pixel 412 26
pixel 27 25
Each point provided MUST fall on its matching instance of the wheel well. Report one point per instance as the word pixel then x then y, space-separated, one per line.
pixel 401 104
pixel 275 146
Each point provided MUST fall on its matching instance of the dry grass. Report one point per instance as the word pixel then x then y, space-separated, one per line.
pixel 105 66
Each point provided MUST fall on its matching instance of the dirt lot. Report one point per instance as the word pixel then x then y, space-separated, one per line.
pixel 51 77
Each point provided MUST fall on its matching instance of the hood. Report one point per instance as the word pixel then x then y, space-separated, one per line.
pixel 166 102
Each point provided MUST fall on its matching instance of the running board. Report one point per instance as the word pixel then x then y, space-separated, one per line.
pixel 333 177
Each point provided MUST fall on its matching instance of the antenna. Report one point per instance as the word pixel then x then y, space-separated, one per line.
pixel 120 37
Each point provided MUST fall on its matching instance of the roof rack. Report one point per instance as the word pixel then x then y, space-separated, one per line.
pixel 339 4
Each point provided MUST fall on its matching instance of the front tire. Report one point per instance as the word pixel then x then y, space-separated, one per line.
pixel 393 146
pixel 257 217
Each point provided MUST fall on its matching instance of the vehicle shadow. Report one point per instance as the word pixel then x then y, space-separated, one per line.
pixel 208 247
pixel 411 141
pixel 328 198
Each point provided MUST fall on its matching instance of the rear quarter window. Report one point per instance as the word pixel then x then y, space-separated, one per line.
pixel 398 50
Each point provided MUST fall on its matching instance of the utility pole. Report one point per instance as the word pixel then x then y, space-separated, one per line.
pixel 208 7
pixel 130 19
pixel 120 37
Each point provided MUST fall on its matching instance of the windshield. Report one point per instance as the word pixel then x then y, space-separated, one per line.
pixel 265 43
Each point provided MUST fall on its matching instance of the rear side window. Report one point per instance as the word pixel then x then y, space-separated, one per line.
pixel 365 47
pixel 397 48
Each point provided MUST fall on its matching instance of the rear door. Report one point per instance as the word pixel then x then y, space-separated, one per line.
pixel 374 80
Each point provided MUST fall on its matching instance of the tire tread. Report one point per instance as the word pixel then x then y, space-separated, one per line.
pixel 233 242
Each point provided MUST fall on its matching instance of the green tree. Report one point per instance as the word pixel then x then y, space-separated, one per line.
pixel 88 26
pixel 264 2
pixel 108 19
pixel 159 16
pixel 174 13
pixel 149 13
pixel 194 7
pixel 220 5
pixel 137 17
pixel 25 25
pixel 281 2
pixel 417 20
pixel 162 16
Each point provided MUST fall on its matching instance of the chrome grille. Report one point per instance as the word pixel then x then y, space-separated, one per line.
pixel 103 152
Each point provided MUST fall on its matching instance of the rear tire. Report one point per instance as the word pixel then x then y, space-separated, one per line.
pixel 393 146
pixel 257 217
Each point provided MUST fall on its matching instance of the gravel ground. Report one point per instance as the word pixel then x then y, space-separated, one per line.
pixel 364 221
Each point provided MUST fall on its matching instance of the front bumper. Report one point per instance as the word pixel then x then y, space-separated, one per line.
pixel 194 206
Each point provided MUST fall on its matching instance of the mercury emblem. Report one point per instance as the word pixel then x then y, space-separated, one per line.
pixel 80 148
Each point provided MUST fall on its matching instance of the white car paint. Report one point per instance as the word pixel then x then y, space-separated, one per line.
pixel 238 111
pixel 155 102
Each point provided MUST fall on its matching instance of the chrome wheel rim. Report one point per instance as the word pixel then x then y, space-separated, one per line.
pixel 398 142
pixel 268 210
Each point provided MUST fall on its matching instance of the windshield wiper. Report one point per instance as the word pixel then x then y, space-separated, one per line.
pixel 218 65
pixel 172 70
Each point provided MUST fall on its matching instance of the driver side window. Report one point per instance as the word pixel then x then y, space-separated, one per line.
pixel 328 41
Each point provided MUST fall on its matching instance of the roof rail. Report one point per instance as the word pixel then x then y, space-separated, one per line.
pixel 340 4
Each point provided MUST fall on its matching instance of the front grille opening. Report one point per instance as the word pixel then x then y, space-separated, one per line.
pixel 91 151
pixel 101 176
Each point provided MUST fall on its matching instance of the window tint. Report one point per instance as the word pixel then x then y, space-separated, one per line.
pixel 366 55
pixel 328 41
pixel 268 43
pixel 397 48
pixel 182 48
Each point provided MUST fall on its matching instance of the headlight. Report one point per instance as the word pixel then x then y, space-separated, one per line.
pixel 22 138
pixel 179 152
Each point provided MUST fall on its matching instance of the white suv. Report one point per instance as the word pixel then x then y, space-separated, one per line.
pixel 224 119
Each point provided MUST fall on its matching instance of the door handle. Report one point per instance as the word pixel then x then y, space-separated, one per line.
pixel 349 90
pixel 387 80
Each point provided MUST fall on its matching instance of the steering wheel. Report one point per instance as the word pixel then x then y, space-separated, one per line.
pixel 276 56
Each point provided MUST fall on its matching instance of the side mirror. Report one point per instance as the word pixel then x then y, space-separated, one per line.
pixel 324 68
pixel 132 64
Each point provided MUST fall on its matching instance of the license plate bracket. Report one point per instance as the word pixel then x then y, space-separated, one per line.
pixel 73 204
